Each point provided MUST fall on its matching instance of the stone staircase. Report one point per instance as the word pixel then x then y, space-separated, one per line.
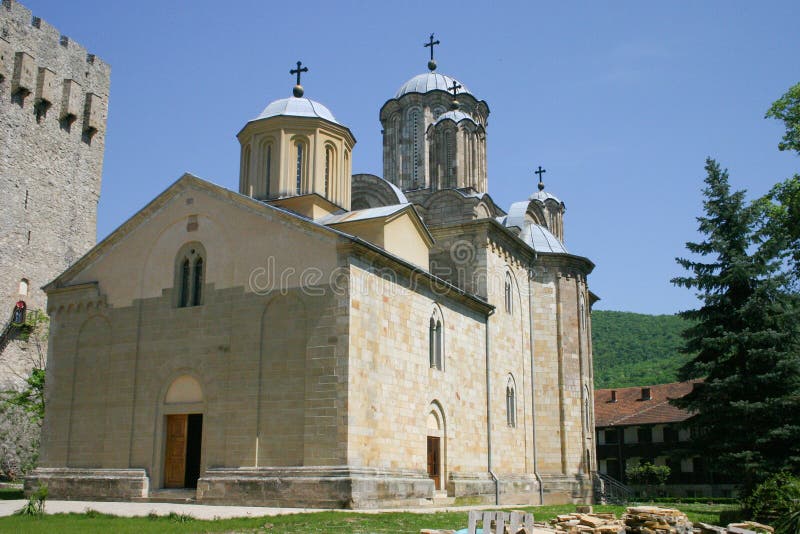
pixel 440 498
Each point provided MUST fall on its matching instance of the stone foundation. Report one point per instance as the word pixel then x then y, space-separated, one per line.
pixel 479 488
pixel 561 489
pixel 89 484
pixel 318 487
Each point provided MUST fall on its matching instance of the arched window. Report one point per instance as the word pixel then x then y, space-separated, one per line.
pixel 268 165
pixel 299 173
pixel 511 403
pixel 509 294
pixel 197 286
pixel 330 168
pixel 23 287
pixel 415 152
pixel 185 283
pixel 435 341
pixel 190 275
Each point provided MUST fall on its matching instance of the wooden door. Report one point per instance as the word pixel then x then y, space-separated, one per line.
pixel 434 463
pixel 175 461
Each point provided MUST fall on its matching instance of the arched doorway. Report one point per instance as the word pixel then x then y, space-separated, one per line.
pixel 435 445
pixel 183 412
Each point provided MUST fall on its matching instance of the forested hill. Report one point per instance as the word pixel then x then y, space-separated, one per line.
pixel 632 349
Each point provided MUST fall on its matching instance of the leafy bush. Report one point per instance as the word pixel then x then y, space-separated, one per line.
pixel 790 524
pixel 648 474
pixel 776 497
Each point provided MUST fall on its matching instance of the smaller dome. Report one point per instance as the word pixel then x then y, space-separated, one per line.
pixel 297 107
pixel 430 81
pixel 542 240
pixel 455 116
pixel 542 195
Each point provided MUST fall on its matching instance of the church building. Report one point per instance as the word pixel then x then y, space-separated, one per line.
pixel 324 339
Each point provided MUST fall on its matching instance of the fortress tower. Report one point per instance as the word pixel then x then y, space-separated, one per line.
pixel 53 107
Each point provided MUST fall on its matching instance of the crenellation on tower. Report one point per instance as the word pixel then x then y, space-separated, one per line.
pixel 53 109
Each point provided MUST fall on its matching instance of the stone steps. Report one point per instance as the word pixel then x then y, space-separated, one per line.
pixel 172 496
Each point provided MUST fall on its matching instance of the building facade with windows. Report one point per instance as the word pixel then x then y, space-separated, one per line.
pixel 638 425
pixel 320 338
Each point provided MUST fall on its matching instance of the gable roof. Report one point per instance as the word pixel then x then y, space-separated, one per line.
pixel 631 409
pixel 188 180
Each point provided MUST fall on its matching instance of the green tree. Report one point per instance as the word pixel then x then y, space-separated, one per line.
pixel 746 413
pixel 781 226
pixel 649 476
pixel 787 109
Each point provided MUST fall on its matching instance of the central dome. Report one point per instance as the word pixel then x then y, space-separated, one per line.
pixel 430 81
pixel 297 107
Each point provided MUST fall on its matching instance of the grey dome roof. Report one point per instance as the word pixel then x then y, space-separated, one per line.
pixel 542 240
pixel 541 196
pixel 430 81
pixel 297 107
pixel 535 235
pixel 455 116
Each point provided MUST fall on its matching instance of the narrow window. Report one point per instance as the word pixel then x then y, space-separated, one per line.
pixel 185 273
pixel 299 168
pixel 509 295
pixel 269 165
pixel 26 199
pixel 328 163
pixel 435 348
pixel 511 404
pixel 432 343
pixel 23 287
pixel 415 154
pixel 197 289
pixel 439 345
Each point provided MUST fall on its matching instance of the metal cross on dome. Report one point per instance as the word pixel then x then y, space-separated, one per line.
pixel 540 172
pixel 298 70
pixel 431 43
pixel 454 88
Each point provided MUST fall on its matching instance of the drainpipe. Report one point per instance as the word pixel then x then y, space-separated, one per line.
pixel 533 381
pixel 489 414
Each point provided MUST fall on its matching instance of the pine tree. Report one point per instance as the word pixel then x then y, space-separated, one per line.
pixel 746 411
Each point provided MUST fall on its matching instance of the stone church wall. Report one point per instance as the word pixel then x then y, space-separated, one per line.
pixel 53 102
pixel 394 388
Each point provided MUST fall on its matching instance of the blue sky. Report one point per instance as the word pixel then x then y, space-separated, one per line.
pixel 621 102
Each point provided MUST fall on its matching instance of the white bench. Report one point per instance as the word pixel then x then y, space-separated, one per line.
pixel 516 521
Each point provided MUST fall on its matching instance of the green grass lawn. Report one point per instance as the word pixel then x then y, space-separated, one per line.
pixel 321 522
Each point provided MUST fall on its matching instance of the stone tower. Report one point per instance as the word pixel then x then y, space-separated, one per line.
pixel 433 140
pixel 53 107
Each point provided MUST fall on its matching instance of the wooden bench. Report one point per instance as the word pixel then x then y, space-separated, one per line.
pixel 517 522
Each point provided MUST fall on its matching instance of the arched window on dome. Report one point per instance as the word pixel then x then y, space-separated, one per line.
pixel 330 168
pixel 268 166
pixel 301 165
pixel 299 171
pixel 511 402
pixel 450 151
